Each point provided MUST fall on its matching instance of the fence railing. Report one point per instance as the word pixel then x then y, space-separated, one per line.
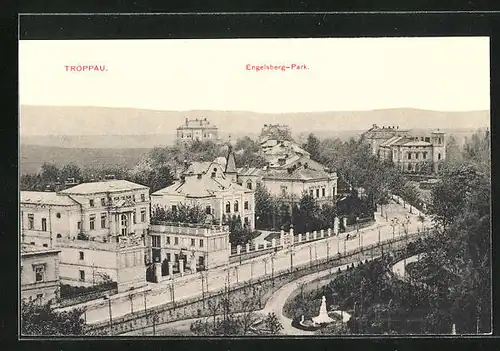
pixel 292 273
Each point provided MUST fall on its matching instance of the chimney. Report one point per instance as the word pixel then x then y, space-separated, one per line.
pixel 186 120
pixel 289 170
pixel 374 126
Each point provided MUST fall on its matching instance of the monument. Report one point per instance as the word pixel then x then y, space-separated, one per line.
pixel 322 317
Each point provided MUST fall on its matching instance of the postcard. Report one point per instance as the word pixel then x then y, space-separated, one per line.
pixel 253 187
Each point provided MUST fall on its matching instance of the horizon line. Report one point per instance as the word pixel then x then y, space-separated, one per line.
pixel 259 112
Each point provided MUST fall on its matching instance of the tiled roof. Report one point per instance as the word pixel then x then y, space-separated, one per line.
pixel 103 187
pixel 418 143
pixel 401 141
pixel 300 174
pixel 390 141
pixel 197 123
pixel 197 168
pixel 252 171
pixel 46 198
pixel 204 187
pixel 231 162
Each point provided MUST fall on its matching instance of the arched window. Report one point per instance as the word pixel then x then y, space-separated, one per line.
pixel 249 184
pixel 439 156
pixel 124 220
pixel 236 206
pixel 228 207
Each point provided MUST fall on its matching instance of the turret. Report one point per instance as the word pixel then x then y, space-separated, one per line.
pixel 231 172
pixel 438 149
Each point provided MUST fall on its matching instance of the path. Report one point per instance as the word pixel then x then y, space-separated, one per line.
pixel 399 267
pixel 274 305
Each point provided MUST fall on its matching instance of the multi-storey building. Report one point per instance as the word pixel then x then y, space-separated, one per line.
pixel 377 135
pixel 213 187
pixel 39 273
pixel 91 224
pixel 415 154
pixel 199 247
pixel 196 129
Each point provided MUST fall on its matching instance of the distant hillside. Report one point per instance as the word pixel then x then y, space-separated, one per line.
pixel 32 157
pixel 127 127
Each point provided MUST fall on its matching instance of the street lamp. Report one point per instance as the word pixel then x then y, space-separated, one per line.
pixel 106 297
pixel 310 256
pixel 273 256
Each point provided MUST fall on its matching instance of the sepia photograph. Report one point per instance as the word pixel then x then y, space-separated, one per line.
pixel 324 187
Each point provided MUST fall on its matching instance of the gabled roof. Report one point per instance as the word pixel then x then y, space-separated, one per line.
pixel 207 186
pixel 391 141
pixel 103 187
pixel 46 198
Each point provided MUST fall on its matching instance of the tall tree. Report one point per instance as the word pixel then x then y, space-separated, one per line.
pixel 313 147
pixel 263 207
pixel 49 173
pixel 71 170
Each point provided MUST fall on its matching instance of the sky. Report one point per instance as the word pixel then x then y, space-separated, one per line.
pixel 348 74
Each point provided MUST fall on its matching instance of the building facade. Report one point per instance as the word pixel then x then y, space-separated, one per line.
pixel 415 154
pixel 213 187
pixel 199 247
pixel 197 129
pixel 377 135
pixel 86 222
pixel 39 273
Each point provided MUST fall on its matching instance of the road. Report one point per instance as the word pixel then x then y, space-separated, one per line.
pixel 273 305
pixel 190 286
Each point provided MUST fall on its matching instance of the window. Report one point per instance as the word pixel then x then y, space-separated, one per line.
pixel 246 221
pixel 143 197
pixel 92 222
pixel 45 245
pixel 39 299
pixel 134 217
pixel 283 190
pixel 416 155
pixel 103 220
pixel 44 224
pixel 168 240
pixel 228 207
pixel 249 184
pixel 58 215
pixel 103 201
pixel 193 242
pixel 31 221
pixel 409 155
pixel 439 156
pixel 82 255
pixel 213 174
pixel 156 241
pixel 59 236
pixel 143 215
pixel 82 276
pixel 208 210
pixel 323 192
pixel 39 273
pixel 133 197
pixel 311 192
pixel 91 201
pixel 174 208
pixel 79 225
pixel 424 155
pixel 236 206
pixel 409 166
pixel 317 192
pixel 201 242
pixel 124 220
pixel 245 205
pixel 176 241
pixel 199 176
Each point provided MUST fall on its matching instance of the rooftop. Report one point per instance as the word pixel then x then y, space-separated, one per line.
pixel 300 174
pixel 28 249
pixel 185 228
pixel 103 187
pixel 46 198
pixel 197 123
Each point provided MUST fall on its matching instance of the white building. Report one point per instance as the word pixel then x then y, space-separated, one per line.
pixel 91 223
pixel 196 129
pixel 212 186
pixel 39 273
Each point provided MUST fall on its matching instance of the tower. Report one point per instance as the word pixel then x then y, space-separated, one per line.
pixel 438 149
pixel 231 172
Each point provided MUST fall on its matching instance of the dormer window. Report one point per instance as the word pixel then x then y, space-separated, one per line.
pixel 199 176
pixel 213 174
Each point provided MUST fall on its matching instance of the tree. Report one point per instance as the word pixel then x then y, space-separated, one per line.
pixel 44 321
pixel 263 207
pixel 273 325
pixel 308 216
pixel 31 182
pixel 49 173
pixel 313 147
pixel 411 194
pixel 71 170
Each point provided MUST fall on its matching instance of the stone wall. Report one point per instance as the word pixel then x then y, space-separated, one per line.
pixel 199 307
